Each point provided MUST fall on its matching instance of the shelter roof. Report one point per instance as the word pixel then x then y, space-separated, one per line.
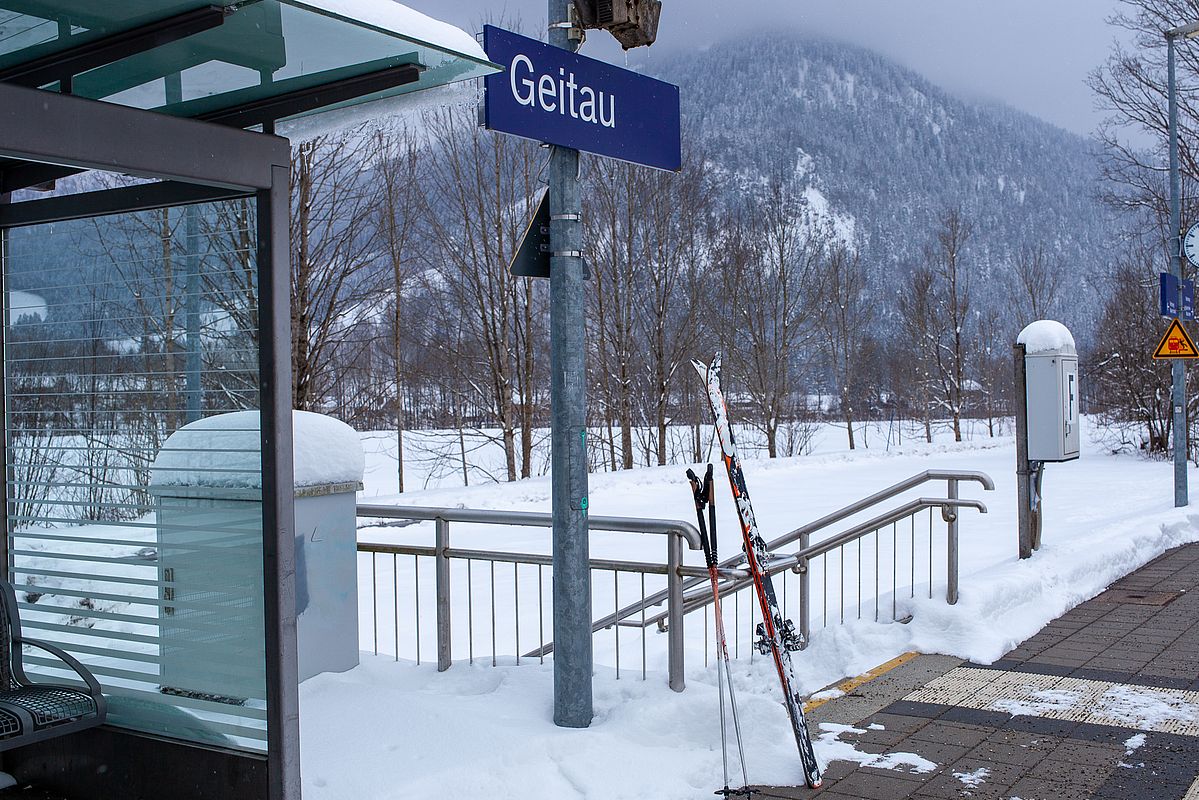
pixel 243 63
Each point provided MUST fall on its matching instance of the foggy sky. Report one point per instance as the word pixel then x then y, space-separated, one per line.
pixel 1031 54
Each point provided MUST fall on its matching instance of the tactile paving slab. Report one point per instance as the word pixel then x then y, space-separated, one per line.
pixel 1072 699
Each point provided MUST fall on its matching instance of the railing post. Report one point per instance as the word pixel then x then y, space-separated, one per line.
pixel 442 564
pixel 674 610
pixel 805 578
pixel 951 592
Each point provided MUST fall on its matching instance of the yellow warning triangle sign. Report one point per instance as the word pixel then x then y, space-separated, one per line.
pixel 1176 343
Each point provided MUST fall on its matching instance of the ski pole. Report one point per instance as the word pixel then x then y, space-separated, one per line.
pixel 709 489
pixel 705 497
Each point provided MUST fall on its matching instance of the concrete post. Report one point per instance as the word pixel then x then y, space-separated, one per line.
pixel 568 435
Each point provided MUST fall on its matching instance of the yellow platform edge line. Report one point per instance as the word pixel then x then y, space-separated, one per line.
pixel 849 684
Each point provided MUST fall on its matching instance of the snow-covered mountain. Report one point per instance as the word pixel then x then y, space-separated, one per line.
pixel 888 152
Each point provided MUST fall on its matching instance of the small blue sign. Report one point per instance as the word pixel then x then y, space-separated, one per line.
pixel 552 95
pixel 1169 295
pixel 1188 299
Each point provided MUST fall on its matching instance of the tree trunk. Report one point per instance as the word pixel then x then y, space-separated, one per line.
pixel 399 378
pixel 510 449
pixel 611 440
pixel 660 418
pixel 626 416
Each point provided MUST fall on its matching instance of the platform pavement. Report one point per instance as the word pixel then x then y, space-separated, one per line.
pixel 1060 717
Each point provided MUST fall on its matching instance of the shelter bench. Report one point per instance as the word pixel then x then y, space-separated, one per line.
pixel 35 711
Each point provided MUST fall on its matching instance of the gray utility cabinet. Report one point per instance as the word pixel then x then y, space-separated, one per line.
pixel 1051 393
pixel 210 565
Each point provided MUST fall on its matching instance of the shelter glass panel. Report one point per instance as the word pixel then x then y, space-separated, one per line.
pixel 134 462
pixel 261 49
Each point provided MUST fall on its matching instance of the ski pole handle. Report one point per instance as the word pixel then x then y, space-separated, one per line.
pixel 710 493
pixel 701 494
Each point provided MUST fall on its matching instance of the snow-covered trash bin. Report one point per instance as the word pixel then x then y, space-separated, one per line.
pixel 207 485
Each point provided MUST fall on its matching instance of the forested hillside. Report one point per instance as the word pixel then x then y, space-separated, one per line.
pixel 893 151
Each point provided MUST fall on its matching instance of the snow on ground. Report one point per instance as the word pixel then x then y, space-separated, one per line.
pixel 975 778
pixel 831 747
pixel 391 729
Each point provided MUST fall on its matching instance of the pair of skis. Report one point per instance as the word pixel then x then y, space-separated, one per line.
pixel 777 636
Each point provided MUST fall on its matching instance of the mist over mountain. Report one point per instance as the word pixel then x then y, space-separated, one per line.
pixel 889 152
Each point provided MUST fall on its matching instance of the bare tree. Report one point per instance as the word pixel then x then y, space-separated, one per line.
pixel 1131 88
pixel 481 192
pixel 917 315
pixel 335 268
pixel 231 285
pixel 952 314
pixel 674 207
pixel 770 275
pixel 614 243
pixel 1036 282
pixel 846 315
pixel 399 161
pixel 993 360
pixel 1131 391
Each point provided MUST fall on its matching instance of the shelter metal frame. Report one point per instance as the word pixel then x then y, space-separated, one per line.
pixel 54 134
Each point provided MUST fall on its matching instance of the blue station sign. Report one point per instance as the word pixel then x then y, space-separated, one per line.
pixel 1168 294
pixel 552 95
pixel 1171 290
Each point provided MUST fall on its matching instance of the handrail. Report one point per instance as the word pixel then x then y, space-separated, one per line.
pixel 679 577
pixel 701 599
pixel 676 532
pixel 845 537
pixel 829 519
pixel 535 519
pixel 878 497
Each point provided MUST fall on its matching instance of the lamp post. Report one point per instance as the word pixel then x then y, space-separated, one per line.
pixel 1178 395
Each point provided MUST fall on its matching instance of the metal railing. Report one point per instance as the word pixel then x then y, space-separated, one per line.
pixel 686 589
pixel 807 552
pixel 677 533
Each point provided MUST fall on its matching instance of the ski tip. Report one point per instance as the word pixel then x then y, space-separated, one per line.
pixel 706 369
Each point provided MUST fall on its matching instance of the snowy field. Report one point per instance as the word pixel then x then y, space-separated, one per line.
pixel 391 729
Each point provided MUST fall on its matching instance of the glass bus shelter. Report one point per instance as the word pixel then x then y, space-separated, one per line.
pixel 145 282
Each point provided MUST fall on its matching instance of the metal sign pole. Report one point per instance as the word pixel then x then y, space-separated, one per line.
pixel 1178 396
pixel 572 574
